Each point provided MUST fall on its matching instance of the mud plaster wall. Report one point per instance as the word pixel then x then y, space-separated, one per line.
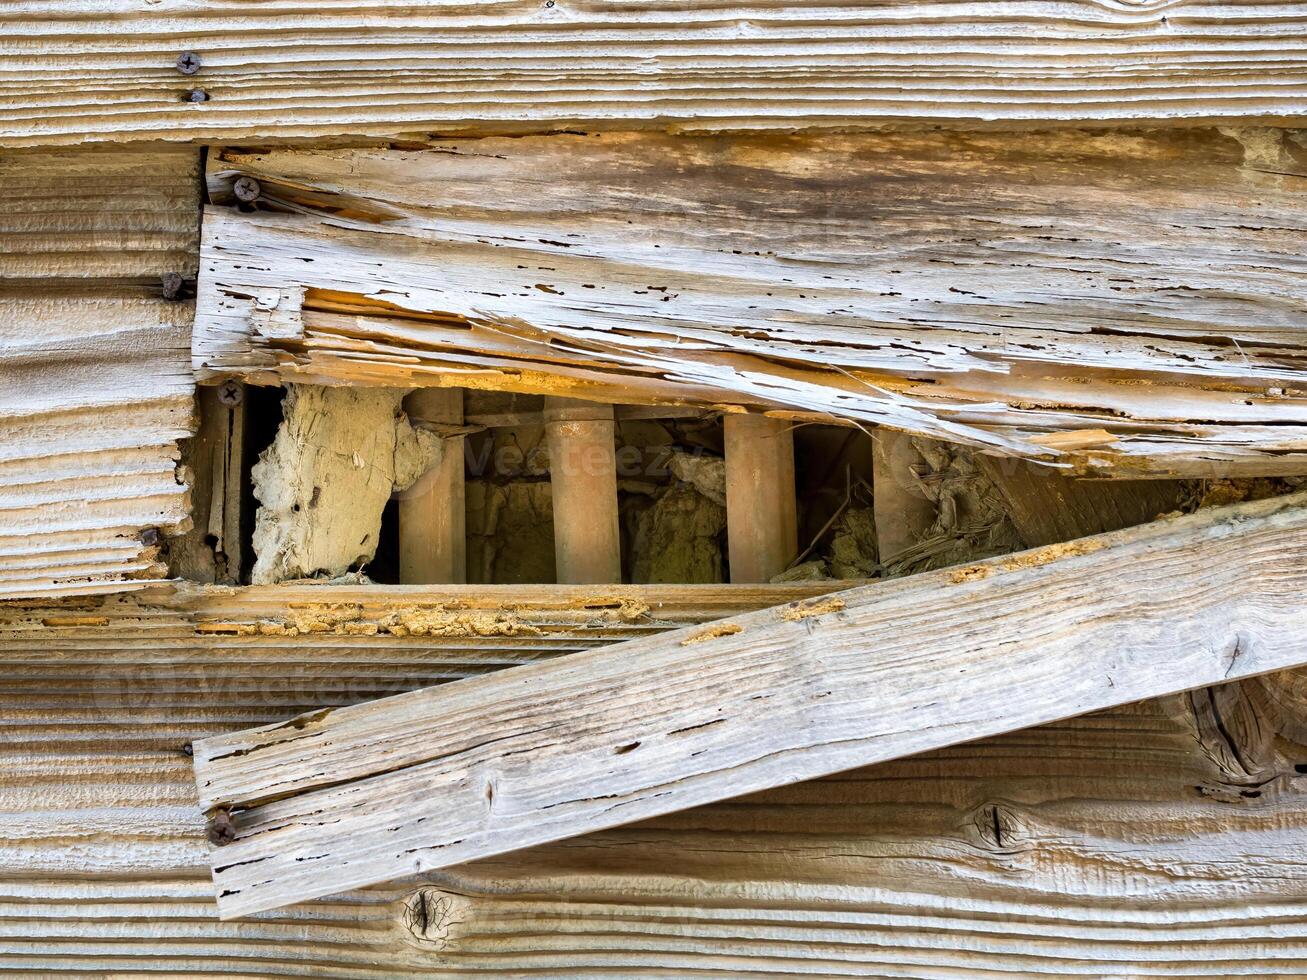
pixel 322 485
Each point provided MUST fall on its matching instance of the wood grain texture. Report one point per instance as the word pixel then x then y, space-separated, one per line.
pixel 747 703
pixel 1130 843
pixel 1047 507
pixel 96 386
pixel 80 70
pixel 1128 304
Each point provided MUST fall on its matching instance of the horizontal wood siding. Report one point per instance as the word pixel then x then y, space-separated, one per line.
pixel 359 795
pixel 97 387
pixel 1135 842
pixel 106 69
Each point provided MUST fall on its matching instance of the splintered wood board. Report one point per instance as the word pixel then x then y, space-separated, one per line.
pixel 106 69
pixel 1128 303
pixel 334 799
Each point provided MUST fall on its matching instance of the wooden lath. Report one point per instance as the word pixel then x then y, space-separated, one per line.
pixel 1129 304
pixel 340 798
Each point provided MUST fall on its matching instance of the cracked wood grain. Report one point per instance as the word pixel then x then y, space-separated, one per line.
pixel 437 777
pixel 1126 304
pixel 78 70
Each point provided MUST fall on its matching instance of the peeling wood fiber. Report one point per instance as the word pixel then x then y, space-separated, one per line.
pixel 106 70
pixel 1130 304
pixel 359 795
pixel 95 381
pixel 1126 845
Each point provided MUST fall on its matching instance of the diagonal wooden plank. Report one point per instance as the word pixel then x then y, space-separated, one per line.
pixel 358 795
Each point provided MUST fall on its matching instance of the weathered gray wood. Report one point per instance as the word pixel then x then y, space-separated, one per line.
pixel 107 69
pixel 1131 304
pixel 95 382
pixel 335 799
pixel 1120 842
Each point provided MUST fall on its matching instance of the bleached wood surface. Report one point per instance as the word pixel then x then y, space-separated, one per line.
pixel 105 70
pixel 1129 303
pixel 1137 842
pixel 95 381
pixel 354 796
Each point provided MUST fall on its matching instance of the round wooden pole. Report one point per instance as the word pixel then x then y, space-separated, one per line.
pixel 583 472
pixel 761 511
pixel 432 528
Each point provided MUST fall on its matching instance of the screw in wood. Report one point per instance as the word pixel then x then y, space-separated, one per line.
pixel 150 537
pixel 246 189
pixel 197 95
pixel 188 63
pixel 172 285
pixel 221 829
pixel 229 393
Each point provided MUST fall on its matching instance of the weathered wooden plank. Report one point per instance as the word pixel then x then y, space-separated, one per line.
pixel 1047 507
pixel 1130 304
pixel 95 380
pixel 107 70
pixel 1125 845
pixel 655 726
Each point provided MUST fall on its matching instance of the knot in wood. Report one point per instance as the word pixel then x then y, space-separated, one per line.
pixel 188 62
pixel 430 913
pixel 999 828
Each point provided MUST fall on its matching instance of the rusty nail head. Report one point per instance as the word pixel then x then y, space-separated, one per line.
pixel 172 285
pixel 229 393
pixel 188 63
pixel 246 189
pixel 150 537
pixel 197 95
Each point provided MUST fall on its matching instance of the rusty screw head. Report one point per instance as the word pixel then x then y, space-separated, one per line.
pixel 188 63
pixel 172 285
pixel 197 95
pixel 229 393
pixel 246 189
pixel 150 537
pixel 221 829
